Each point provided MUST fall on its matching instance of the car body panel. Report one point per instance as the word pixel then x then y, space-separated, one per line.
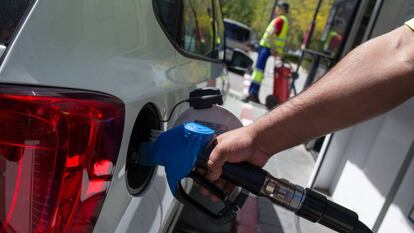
pixel 119 48
pixel 2 49
pixel 131 62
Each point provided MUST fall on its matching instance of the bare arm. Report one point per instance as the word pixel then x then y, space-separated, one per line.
pixel 372 79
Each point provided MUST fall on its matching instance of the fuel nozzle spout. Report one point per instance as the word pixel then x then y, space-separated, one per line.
pixel 259 182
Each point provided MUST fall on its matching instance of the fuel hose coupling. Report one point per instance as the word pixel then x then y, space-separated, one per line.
pixel 283 193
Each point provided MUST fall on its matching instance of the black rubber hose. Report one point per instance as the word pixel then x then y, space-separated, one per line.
pixel 361 228
pixel 317 208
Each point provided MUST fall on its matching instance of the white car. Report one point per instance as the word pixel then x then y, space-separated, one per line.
pixel 81 85
pixel 238 36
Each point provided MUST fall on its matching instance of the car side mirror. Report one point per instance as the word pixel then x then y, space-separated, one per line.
pixel 240 62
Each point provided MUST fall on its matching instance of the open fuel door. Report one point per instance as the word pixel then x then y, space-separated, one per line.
pixel 205 109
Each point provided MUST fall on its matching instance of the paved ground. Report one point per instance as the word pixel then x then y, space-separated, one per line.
pixel 295 164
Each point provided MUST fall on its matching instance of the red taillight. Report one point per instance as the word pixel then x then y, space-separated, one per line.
pixel 58 149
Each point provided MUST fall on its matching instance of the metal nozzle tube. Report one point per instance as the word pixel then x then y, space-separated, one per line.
pixel 283 193
pixel 260 182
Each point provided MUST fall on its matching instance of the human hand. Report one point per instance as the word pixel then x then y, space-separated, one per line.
pixel 235 146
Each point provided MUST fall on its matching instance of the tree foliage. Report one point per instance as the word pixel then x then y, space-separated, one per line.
pixel 301 15
pixel 239 10
pixel 257 13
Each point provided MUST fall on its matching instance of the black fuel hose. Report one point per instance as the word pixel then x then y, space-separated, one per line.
pixel 361 228
pixel 317 208
pixel 306 203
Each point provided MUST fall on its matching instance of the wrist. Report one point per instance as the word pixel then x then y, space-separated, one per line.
pixel 252 131
pixel 257 134
pixel 273 132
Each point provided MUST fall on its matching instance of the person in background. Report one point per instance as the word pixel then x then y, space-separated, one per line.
pixel 333 39
pixel 272 43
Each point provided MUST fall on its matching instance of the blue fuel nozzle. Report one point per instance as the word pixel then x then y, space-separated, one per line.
pixel 181 149
pixel 177 150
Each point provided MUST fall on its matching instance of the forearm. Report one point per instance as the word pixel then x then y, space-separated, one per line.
pixel 372 79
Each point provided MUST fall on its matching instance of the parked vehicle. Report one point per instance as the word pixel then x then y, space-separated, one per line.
pixel 81 85
pixel 237 37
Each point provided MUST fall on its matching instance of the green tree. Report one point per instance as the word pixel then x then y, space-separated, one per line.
pixel 262 13
pixel 239 10
pixel 300 18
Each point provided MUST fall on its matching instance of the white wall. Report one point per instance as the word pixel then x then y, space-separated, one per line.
pixel 374 157
pixel 396 218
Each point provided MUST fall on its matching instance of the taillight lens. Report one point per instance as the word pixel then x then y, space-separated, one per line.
pixel 58 150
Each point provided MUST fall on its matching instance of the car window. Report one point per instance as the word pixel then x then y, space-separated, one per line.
pixel 168 12
pixel 236 32
pixel 193 25
pixel 11 13
pixel 198 33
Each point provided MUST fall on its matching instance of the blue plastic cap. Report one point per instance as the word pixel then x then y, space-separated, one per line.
pixel 178 149
pixel 198 129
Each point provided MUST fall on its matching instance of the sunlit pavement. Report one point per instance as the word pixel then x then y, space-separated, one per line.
pixel 295 164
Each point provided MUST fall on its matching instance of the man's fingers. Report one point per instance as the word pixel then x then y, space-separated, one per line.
pixel 214 198
pixel 216 161
pixel 214 174
pixel 229 188
pixel 221 184
pixel 204 191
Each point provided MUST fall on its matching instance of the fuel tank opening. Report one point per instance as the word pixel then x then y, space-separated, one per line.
pixel 138 176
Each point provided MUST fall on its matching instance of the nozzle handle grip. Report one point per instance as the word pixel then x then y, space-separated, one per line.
pixel 243 174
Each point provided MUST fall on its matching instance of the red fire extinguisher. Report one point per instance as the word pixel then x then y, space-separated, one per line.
pixel 282 83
